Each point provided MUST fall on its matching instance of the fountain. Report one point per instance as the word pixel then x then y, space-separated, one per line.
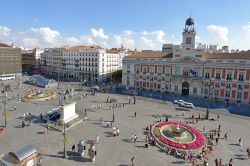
pixel 177 135
pixel 38 96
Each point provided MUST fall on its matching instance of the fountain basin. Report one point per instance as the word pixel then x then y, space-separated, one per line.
pixel 41 96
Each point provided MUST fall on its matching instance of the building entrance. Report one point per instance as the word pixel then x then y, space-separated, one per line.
pixel 185 88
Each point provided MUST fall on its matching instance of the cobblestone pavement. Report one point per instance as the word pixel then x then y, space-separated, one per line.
pixel 116 151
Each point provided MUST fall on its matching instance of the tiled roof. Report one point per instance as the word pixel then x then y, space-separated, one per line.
pixel 4 45
pixel 81 47
pixel 240 56
pixel 152 54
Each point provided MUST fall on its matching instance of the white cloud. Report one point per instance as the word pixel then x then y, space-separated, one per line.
pixel 147 43
pixel 128 32
pixel 87 40
pixel 30 42
pixel 247 28
pixel 127 42
pixel 47 34
pixel 71 41
pixel 219 32
pixel 4 31
pixel 99 34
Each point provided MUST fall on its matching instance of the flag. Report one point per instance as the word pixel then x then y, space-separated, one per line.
pixel 192 72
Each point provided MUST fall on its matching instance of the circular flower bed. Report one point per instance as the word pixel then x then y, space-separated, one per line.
pixel 196 143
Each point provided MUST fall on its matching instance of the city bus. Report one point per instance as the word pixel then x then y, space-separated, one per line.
pixel 4 77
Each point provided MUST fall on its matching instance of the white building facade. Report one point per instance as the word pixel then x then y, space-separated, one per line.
pixel 83 63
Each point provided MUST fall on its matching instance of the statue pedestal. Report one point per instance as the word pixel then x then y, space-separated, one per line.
pixel 67 112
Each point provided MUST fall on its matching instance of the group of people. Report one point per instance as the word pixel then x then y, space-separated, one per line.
pixel 27 119
pixel 115 131
pixel 218 162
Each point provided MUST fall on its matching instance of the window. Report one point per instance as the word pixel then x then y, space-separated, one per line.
pixel 194 90
pixel 217 76
pixel 168 71
pixel 207 74
pixel 176 88
pixel 159 70
pixel 227 94
pixel 239 95
pixel 216 92
pixel 240 87
pixel 217 84
pixel 205 91
pixel 228 86
pixel 144 69
pixel 128 68
pixel 152 69
pixel 177 70
pixel 241 76
pixel 137 69
pixel 229 75
pixel 188 40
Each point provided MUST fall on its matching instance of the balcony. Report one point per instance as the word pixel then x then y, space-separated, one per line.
pixel 217 78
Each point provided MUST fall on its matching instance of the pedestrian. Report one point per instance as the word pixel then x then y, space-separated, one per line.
pixel 47 129
pixel 220 162
pixel 41 116
pixel 166 118
pixel 23 124
pixel 97 138
pixel 219 128
pixel 132 161
pixel 240 142
pixel 73 148
pixel 114 133
pixel 135 114
pixel 216 161
pixel 135 138
pixel 225 136
pixel 117 131
pixel 248 152
pixel 230 162
pixel 217 140
pixel 218 117
pixel 132 138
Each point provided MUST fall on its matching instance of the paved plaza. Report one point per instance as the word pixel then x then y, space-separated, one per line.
pixel 116 151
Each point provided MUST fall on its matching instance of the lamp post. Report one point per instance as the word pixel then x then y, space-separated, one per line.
pixel 5 114
pixel 113 113
pixel 65 139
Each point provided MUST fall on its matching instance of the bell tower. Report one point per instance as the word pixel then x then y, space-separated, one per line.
pixel 188 34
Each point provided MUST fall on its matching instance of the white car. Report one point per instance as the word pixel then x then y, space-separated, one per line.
pixel 95 88
pixel 186 104
pixel 178 101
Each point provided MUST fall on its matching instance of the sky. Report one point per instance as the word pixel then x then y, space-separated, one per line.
pixel 140 24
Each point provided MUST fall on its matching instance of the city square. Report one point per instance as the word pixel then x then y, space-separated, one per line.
pixel 120 149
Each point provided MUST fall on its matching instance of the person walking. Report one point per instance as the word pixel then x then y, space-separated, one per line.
pixel 220 162
pixel 135 138
pixel 225 136
pixel 132 161
pixel 135 114
pixel 240 142
pixel 73 148
pixel 217 140
pixel 216 161
pixel 47 129
pixel 97 138
pixel 132 138
pixel 230 162
pixel 117 131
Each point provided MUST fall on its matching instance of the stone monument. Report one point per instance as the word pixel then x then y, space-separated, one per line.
pixel 68 112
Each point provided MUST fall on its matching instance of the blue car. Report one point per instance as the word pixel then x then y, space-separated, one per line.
pixel 52 115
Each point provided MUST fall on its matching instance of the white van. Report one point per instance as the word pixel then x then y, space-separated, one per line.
pixel 186 104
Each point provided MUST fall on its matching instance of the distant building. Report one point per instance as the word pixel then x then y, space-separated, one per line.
pixel 184 69
pixel 30 58
pixel 85 63
pixel 10 60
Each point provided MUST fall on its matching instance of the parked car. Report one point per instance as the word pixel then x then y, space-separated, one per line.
pixel 95 87
pixel 186 105
pixel 52 115
pixel 178 101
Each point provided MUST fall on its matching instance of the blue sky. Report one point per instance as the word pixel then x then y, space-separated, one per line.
pixel 141 24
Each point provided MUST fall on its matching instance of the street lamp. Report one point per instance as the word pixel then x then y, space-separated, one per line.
pixel 5 114
pixel 65 139
pixel 113 113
